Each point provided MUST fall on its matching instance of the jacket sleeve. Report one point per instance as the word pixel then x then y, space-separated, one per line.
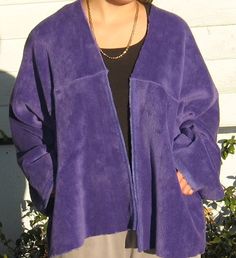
pixel 195 150
pixel 31 123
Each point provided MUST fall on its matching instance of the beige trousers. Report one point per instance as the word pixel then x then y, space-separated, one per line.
pixel 116 245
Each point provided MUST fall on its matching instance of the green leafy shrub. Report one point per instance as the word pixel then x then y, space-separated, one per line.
pixel 221 227
pixel 32 242
pixel 221 216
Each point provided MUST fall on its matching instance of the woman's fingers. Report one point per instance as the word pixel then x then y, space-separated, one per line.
pixel 185 187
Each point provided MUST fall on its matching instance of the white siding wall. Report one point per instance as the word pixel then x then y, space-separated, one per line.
pixel 213 23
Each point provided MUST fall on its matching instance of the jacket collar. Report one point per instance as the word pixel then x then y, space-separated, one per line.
pixel 91 47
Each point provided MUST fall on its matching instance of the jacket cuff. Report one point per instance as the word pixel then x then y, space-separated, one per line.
pixel 38 165
pixel 199 160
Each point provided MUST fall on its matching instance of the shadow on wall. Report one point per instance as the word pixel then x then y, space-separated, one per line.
pixel 227 129
pixel 12 180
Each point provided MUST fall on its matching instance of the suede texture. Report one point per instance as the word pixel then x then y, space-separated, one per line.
pixel 67 135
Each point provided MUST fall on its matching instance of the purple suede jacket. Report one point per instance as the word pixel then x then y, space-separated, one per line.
pixel 67 135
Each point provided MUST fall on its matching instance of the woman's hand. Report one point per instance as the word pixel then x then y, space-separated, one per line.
pixel 185 187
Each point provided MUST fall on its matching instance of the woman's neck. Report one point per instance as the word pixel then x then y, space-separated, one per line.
pixel 113 23
pixel 109 11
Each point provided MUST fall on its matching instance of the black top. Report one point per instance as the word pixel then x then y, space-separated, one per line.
pixel 119 72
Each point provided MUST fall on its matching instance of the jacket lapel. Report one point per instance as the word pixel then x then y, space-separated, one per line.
pixel 140 72
pixel 92 48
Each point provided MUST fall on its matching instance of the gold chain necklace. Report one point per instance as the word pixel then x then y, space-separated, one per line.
pixel 130 39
